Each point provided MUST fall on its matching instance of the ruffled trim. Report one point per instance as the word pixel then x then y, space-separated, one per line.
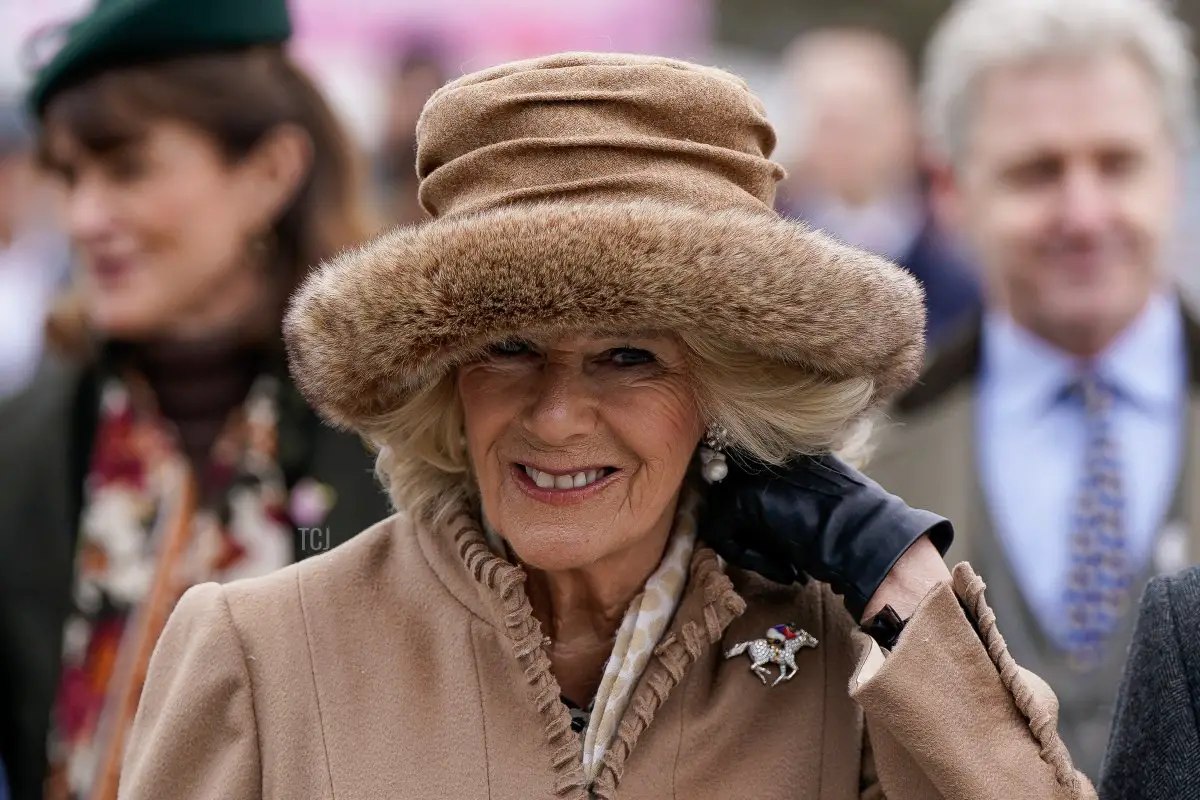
pixel 673 656
pixel 650 614
pixel 719 604
pixel 969 588
pixel 529 645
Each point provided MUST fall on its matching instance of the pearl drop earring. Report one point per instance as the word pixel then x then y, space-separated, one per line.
pixel 712 454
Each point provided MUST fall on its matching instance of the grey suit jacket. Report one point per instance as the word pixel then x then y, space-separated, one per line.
pixel 1154 752
pixel 926 449
pixel 927 454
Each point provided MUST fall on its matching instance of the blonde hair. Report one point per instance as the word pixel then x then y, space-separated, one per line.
pixel 976 36
pixel 772 412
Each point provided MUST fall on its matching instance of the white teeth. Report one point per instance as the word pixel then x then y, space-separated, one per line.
pixel 543 479
pixel 577 480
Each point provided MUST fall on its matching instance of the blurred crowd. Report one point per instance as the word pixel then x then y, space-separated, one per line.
pixel 1039 196
pixel 847 102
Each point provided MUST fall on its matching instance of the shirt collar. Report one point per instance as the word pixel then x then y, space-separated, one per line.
pixel 1145 364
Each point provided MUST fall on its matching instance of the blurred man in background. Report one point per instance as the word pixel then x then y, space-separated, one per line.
pixel 855 168
pixel 419 72
pixel 34 258
pixel 1062 433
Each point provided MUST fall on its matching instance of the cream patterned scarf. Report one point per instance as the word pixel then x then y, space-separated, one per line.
pixel 643 627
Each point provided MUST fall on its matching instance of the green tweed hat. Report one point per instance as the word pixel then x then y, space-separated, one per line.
pixel 125 32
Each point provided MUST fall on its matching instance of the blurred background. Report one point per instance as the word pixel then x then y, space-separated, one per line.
pixel 844 107
pixel 378 60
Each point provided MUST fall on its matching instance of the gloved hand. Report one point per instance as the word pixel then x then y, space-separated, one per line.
pixel 815 517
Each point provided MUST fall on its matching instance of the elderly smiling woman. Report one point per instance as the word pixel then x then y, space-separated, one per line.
pixel 571 373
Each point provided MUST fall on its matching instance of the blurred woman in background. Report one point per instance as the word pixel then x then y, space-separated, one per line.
pixel 202 173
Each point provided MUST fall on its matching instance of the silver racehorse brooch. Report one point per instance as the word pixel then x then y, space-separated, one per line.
pixel 780 647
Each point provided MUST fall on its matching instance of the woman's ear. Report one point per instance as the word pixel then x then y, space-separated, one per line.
pixel 275 170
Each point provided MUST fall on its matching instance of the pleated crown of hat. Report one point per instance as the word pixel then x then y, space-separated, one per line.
pixel 595 192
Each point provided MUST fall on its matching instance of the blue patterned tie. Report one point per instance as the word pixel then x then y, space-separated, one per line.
pixel 1099 583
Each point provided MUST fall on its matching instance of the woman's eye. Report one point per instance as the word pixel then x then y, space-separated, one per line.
pixel 126 166
pixel 631 356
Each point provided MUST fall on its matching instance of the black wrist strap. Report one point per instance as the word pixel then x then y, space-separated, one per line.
pixel 885 627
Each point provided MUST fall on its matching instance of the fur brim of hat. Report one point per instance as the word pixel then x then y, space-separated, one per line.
pixel 376 323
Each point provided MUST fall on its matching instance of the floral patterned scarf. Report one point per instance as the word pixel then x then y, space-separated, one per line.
pixel 144 539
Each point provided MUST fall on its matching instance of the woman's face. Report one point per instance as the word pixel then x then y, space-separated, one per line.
pixel 580 445
pixel 165 227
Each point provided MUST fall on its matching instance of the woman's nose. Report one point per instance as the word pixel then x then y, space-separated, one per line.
pixel 563 405
pixel 88 215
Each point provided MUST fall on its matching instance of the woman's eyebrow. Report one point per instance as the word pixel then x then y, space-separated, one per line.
pixel 627 334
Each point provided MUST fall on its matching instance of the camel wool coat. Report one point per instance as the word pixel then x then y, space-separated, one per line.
pixel 407 664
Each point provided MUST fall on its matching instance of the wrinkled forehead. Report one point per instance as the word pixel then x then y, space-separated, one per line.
pixel 601 334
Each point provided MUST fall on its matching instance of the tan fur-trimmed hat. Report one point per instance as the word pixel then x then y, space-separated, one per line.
pixel 583 192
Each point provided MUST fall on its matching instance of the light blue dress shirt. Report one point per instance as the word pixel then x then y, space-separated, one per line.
pixel 1031 441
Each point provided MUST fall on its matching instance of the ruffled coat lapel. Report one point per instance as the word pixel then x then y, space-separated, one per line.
pixel 708 605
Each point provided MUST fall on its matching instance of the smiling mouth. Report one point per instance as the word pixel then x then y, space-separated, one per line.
pixel 565 481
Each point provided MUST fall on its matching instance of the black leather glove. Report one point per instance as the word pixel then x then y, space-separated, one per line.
pixel 816 517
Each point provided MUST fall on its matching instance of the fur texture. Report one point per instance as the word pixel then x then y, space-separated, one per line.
pixel 373 324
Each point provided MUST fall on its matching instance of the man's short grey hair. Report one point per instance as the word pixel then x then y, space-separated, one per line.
pixel 978 35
